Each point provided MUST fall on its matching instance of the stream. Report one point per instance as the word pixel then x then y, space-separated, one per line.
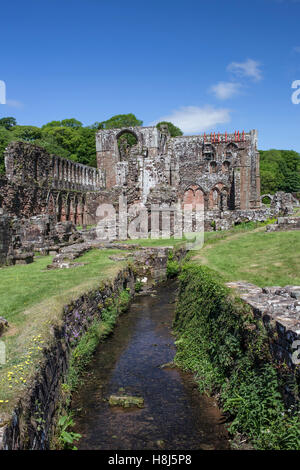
pixel 175 414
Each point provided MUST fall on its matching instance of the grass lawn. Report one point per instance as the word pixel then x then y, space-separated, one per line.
pixel 263 258
pixel 154 242
pixel 31 299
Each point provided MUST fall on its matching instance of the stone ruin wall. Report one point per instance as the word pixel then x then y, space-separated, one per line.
pixel 39 183
pixel 42 198
pixel 220 171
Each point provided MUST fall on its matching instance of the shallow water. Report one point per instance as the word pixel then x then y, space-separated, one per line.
pixel 175 415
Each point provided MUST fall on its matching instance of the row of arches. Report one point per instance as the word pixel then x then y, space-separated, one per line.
pixel 216 199
pixel 67 207
pixel 69 174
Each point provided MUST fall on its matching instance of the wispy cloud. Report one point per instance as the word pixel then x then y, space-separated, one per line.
pixel 192 119
pixel 249 68
pixel 14 103
pixel 296 49
pixel 225 90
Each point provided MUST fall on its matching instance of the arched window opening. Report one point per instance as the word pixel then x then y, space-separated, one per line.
pixel 225 166
pixel 213 167
pixel 126 142
pixel 214 199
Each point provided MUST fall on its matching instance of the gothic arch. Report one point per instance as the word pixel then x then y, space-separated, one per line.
pixel 214 198
pixel 125 145
pixel 75 209
pixel 232 147
pixel 51 206
pixel 225 166
pixel 127 131
pixel 68 207
pixel 59 207
pixel 218 197
pixel 213 166
pixel 224 199
pixel 193 194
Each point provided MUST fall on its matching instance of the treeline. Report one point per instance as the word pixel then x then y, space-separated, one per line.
pixel 67 138
pixel 280 169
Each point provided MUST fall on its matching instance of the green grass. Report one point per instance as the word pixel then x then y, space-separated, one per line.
pixel 263 258
pixel 154 242
pixel 32 299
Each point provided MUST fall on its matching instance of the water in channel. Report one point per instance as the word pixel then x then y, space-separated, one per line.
pixel 175 415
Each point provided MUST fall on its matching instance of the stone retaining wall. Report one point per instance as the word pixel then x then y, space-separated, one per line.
pixel 34 418
pixel 279 309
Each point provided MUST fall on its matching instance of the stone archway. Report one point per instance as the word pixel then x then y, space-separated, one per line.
pixel 51 206
pixel 214 199
pixel 266 198
pixel 193 195
pixel 218 197
pixel 59 207
pixel 126 139
pixel 225 166
pixel 213 166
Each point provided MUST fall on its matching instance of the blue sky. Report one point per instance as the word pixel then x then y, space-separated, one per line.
pixel 206 65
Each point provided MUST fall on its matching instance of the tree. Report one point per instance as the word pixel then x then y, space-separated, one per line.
pixel 26 133
pixel 72 122
pixel 5 138
pixel 292 183
pixel 120 120
pixel 52 124
pixel 8 122
pixel 174 131
pixel 279 171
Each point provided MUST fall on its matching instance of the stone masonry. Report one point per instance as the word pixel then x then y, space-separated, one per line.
pixel 219 172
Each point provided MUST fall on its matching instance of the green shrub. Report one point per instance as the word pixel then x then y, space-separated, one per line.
pixel 227 349
pixel 67 437
pixel 138 286
pixel 173 266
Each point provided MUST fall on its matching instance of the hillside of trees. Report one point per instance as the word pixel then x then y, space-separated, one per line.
pixel 280 169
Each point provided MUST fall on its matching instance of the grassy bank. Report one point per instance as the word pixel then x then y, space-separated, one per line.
pixel 263 258
pixel 221 342
pixel 32 300
pixel 149 242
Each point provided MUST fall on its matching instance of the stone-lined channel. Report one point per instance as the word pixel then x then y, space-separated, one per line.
pixel 175 415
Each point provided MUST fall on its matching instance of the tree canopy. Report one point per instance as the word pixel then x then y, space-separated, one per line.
pixel 8 122
pixel 279 171
pixel 174 131
pixel 120 120
pixel 67 138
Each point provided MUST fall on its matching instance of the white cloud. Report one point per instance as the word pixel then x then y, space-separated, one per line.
pixel 14 103
pixel 225 90
pixel 296 49
pixel 249 68
pixel 192 119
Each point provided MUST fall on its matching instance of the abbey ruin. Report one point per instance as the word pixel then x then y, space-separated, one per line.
pixel 43 197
